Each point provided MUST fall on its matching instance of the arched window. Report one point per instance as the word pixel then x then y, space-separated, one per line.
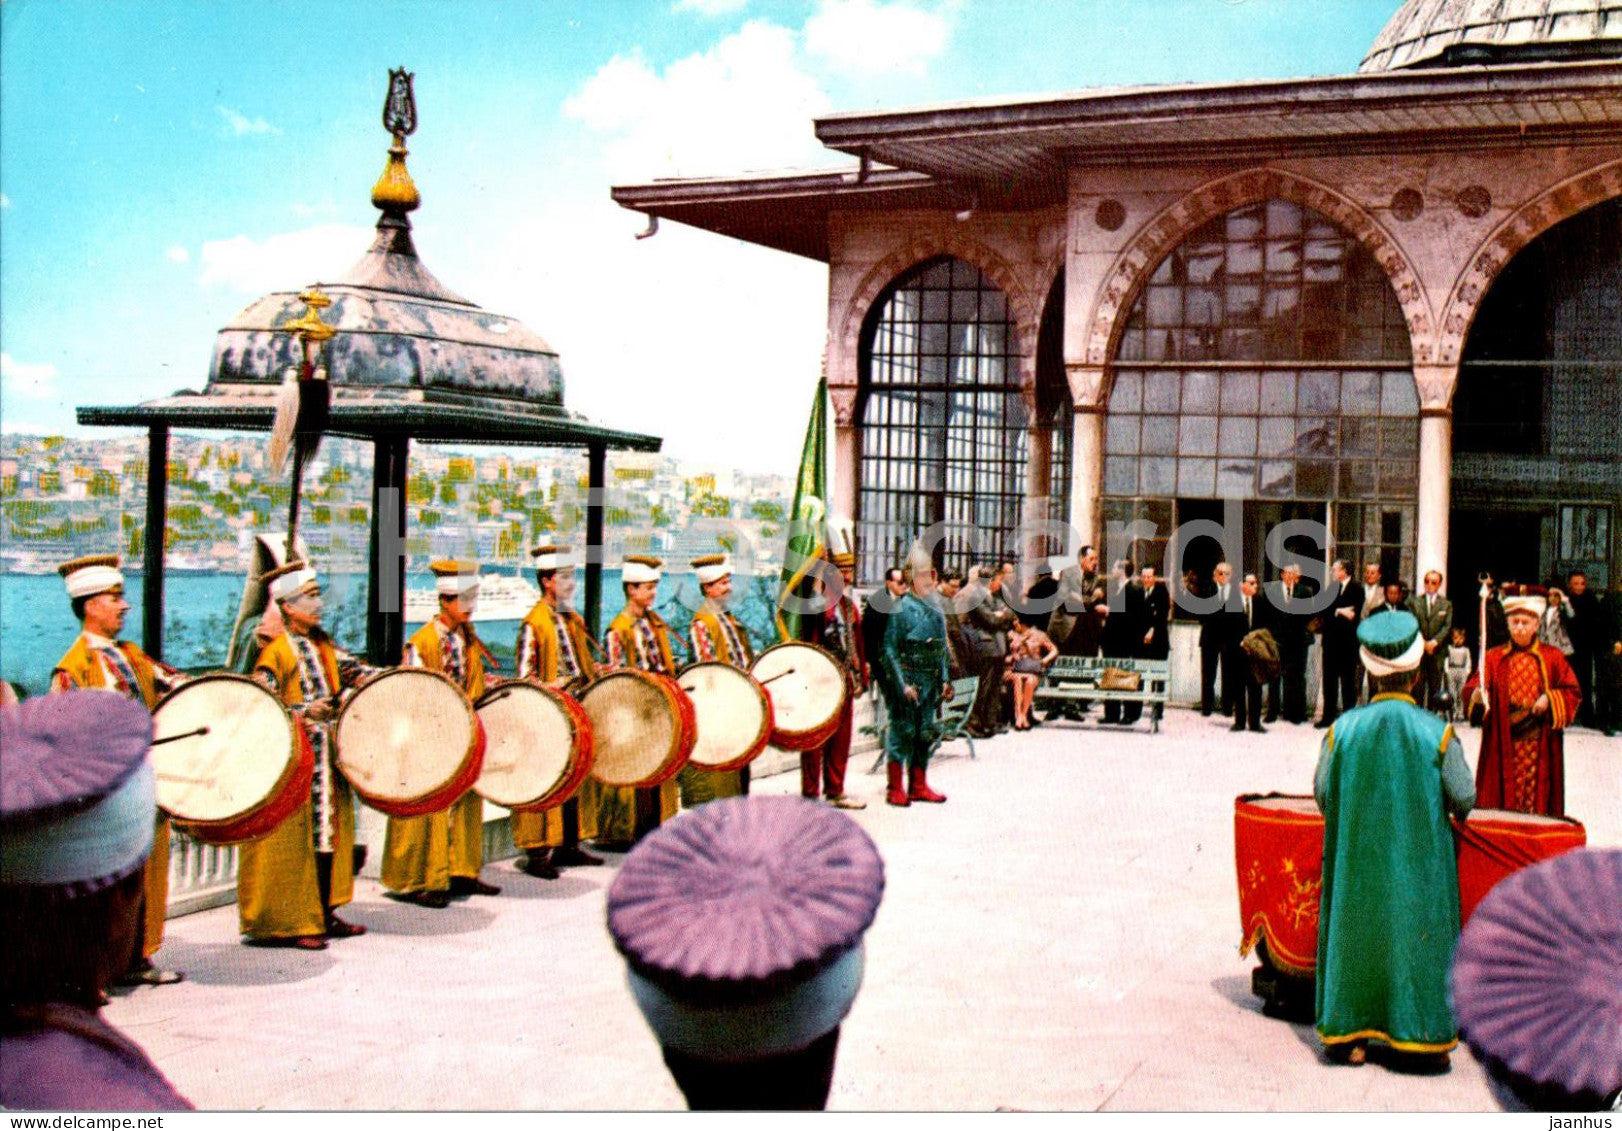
pixel 943 426
pixel 1537 455
pixel 1267 360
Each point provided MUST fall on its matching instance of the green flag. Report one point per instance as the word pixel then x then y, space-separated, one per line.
pixel 805 528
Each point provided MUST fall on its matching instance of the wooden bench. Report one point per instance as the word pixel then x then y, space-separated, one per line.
pixel 1072 678
pixel 954 718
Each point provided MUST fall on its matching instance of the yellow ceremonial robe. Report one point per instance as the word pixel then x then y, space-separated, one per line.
pixel 711 642
pixel 616 809
pixel 545 829
pixel 278 893
pixel 423 853
pixel 80 667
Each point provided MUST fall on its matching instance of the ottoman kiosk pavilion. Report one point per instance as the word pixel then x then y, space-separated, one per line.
pixel 1390 302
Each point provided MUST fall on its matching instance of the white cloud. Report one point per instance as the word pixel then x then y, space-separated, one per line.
pixel 712 344
pixel 5 201
pixel 241 125
pixel 175 253
pixel 745 103
pixel 283 261
pixel 710 7
pixel 869 38
pixel 23 380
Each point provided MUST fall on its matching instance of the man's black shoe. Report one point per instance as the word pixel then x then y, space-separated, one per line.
pixel 573 856
pixel 1323 724
pixel 438 900
pixel 539 867
pixel 472 885
pixel 1237 726
pixel 1258 729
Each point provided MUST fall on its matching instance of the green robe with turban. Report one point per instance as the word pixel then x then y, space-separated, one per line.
pixel 1389 909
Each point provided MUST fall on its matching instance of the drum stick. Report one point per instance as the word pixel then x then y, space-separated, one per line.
pixel 778 676
pixel 178 737
pixel 184 778
pixel 495 696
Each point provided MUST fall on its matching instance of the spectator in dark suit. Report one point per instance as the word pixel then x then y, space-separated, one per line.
pixel 1340 662
pixel 1585 630
pixel 1212 642
pixel 1289 621
pixel 1155 643
pixel 960 651
pixel 876 616
pixel 987 621
pixel 1434 613
pixel 1123 635
pixel 1236 665
pixel 1039 598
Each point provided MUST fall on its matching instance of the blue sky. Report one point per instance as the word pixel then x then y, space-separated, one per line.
pixel 162 164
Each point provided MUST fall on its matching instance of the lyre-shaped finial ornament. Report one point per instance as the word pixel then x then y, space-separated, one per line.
pixel 394 191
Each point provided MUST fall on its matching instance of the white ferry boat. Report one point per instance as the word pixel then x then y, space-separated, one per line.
pixel 502 597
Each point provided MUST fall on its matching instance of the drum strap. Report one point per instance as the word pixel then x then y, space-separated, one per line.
pixel 568 661
pixel 735 645
pixel 122 671
pixel 313 677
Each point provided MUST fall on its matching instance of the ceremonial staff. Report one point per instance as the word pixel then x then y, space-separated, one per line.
pixel 303 406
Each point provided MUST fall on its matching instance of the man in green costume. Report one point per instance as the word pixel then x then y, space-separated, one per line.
pixel 914 680
pixel 1388 916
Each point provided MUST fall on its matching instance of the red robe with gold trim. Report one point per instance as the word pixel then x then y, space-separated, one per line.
pixel 1525 771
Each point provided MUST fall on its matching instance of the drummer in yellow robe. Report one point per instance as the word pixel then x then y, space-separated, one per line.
pixel 717 635
pixel 291 883
pixel 429 859
pixel 637 638
pixel 554 648
pixel 97 658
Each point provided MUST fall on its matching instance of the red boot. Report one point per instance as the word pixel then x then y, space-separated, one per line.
pixel 918 787
pixel 895 795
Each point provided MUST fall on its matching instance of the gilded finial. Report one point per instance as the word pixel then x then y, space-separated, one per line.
pixel 394 191
pixel 308 326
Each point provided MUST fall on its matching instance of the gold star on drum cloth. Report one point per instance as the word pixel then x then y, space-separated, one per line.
pixel 1525 682
pixel 323 807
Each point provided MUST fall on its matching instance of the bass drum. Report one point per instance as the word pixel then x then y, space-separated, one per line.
pixel 1493 843
pixel 733 713
pixel 232 763
pixel 538 746
pixel 642 728
pixel 409 742
pixel 808 688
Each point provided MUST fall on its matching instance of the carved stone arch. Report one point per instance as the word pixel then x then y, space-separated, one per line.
pixel 929 245
pixel 1509 239
pixel 1157 238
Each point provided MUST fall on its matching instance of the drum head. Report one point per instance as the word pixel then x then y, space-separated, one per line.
pixel 530 745
pixel 1514 817
pixel 1285 804
pixel 245 747
pixel 405 735
pixel 636 727
pixel 806 684
pixel 733 714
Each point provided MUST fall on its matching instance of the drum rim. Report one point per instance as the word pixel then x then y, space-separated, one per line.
pixel 768 718
pixel 289 771
pixel 294 785
pixel 805 738
pixel 562 702
pixel 394 805
pixel 686 727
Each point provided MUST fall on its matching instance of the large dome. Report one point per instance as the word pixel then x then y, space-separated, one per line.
pixel 1447 33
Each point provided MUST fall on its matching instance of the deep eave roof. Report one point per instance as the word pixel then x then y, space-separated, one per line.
pixel 370 417
pixel 1015 152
